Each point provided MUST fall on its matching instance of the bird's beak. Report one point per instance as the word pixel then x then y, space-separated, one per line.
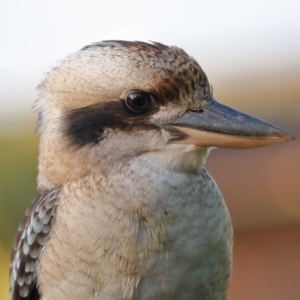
pixel 218 125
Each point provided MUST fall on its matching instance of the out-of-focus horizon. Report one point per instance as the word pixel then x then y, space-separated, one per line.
pixel 250 52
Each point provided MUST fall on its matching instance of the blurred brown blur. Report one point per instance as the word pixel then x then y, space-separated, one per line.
pixel 262 190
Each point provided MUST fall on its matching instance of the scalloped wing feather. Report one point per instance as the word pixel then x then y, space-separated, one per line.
pixel 33 233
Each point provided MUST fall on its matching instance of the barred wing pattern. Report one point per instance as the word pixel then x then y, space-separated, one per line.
pixel 32 235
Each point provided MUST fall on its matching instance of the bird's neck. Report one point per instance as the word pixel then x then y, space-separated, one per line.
pixel 155 218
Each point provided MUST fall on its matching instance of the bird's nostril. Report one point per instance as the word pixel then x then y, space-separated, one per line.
pixel 197 110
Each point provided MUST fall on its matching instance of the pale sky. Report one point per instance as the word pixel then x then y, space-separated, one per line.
pixel 226 37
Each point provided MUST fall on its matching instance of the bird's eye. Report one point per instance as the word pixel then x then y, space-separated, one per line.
pixel 139 101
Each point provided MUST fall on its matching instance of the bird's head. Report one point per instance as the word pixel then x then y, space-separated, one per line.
pixel 115 101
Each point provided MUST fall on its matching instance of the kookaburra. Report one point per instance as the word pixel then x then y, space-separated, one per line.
pixel 126 210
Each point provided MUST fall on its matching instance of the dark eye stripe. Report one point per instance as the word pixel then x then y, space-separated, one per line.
pixel 87 125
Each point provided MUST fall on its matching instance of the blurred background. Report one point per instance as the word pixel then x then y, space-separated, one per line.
pixel 250 51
